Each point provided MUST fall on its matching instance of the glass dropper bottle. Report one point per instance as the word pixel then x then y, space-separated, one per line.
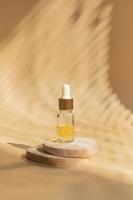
pixel 65 117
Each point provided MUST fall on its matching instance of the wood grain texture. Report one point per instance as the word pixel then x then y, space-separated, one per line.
pixel 37 154
pixel 81 147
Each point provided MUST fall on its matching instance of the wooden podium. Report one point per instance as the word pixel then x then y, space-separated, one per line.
pixel 72 154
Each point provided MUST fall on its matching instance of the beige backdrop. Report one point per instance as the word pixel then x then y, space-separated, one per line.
pixel 121 70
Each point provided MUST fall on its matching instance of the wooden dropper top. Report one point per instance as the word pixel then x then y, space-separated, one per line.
pixel 66 102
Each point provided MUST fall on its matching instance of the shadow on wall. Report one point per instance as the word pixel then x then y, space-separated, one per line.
pixel 11 13
pixel 121 70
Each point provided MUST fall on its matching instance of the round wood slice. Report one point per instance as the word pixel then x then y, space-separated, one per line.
pixel 81 147
pixel 36 154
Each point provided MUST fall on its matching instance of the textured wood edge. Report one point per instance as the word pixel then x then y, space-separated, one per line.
pixel 81 148
pixel 36 154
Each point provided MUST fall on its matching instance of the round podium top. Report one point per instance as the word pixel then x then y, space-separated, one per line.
pixel 81 147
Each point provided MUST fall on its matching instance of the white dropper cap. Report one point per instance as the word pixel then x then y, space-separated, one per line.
pixel 66 91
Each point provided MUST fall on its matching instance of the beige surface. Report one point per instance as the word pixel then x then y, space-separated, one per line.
pixel 52 42
pixel 26 180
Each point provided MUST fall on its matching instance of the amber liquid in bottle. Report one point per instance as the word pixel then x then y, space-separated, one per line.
pixel 65 117
pixel 65 126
